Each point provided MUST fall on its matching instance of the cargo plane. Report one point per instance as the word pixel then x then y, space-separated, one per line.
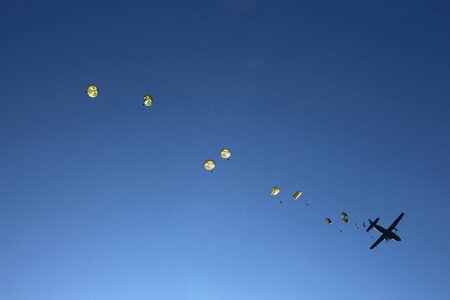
pixel 386 234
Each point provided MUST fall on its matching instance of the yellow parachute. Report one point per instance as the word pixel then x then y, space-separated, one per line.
pixel 328 221
pixel 275 191
pixel 345 220
pixel 148 100
pixel 225 153
pixel 343 214
pixel 210 165
pixel 92 91
pixel 297 195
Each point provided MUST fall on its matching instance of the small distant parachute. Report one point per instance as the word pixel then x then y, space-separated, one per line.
pixel 345 220
pixel 343 215
pixel 209 165
pixel 297 195
pixel 328 221
pixel 225 153
pixel 92 91
pixel 275 191
pixel 148 100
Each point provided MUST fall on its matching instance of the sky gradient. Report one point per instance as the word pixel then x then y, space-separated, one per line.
pixel 347 101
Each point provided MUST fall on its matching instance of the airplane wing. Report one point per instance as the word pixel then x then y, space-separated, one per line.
pixel 380 239
pixel 395 222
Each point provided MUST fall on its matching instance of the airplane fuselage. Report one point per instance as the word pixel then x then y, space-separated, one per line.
pixel 388 234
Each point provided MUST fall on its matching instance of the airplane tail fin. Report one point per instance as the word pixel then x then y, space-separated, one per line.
pixel 372 223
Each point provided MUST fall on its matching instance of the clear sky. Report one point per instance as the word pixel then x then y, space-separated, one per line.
pixel 347 101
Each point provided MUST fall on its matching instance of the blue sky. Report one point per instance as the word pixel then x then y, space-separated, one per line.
pixel 347 101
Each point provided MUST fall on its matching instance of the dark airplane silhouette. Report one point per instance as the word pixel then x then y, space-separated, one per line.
pixel 386 234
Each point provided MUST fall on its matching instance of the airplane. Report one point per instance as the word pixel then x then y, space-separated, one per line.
pixel 386 234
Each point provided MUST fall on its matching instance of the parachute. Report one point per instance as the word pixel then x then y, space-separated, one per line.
pixel 275 191
pixel 148 100
pixel 345 220
pixel 297 195
pixel 343 215
pixel 225 153
pixel 92 91
pixel 209 165
pixel 328 221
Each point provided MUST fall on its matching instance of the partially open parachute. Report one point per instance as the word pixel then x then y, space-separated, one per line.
pixel 148 100
pixel 344 217
pixel 297 195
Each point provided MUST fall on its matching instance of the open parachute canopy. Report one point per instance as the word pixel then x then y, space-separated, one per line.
pixel 275 191
pixel 328 221
pixel 92 91
pixel 225 153
pixel 297 195
pixel 209 165
pixel 148 100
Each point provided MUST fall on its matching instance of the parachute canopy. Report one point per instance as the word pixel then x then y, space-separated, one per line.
pixel 275 191
pixel 345 220
pixel 92 91
pixel 225 153
pixel 210 164
pixel 297 195
pixel 343 214
pixel 328 221
pixel 148 100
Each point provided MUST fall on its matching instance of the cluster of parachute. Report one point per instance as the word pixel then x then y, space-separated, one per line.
pixel 210 164
pixel 93 91
pixel 276 190
pixel 344 216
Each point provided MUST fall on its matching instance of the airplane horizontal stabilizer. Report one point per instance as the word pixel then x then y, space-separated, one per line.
pixel 372 224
